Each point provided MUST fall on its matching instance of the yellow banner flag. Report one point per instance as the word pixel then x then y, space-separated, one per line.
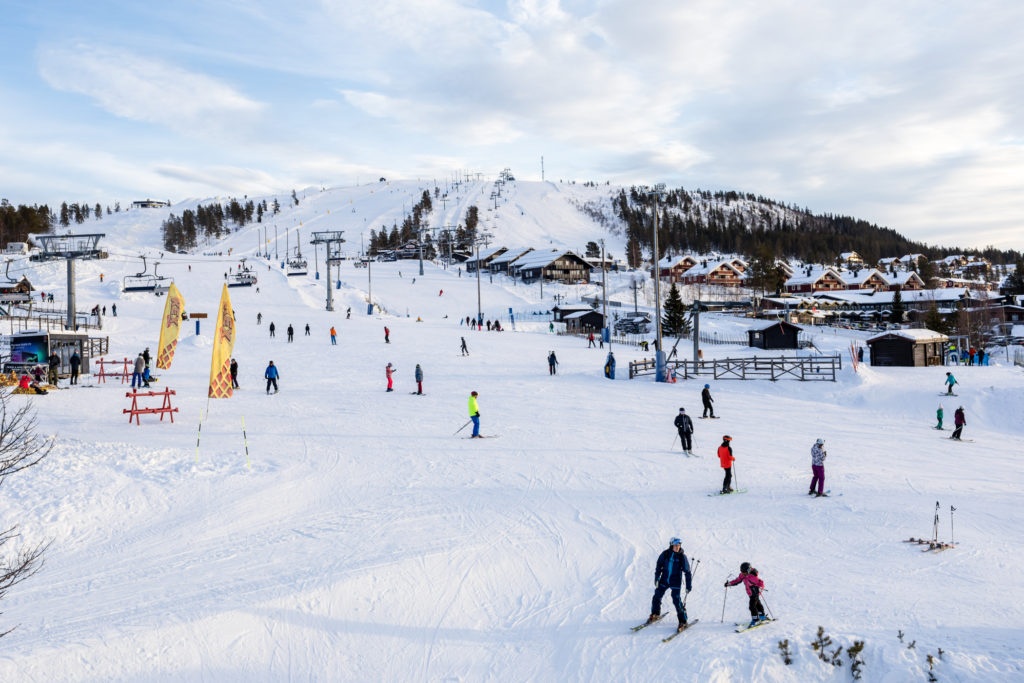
pixel 223 345
pixel 170 327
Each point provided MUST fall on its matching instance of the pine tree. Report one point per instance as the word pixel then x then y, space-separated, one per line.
pixel 898 309
pixel 934 321
pixel 674 321
pixel 65 215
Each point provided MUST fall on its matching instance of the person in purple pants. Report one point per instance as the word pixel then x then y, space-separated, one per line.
pixel 818 455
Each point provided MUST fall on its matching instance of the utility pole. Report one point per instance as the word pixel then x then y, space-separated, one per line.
pixel 479 310
pixel 659 355
pixel 606 331
pixel 696 335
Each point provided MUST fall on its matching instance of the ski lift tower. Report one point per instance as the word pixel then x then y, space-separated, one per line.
pixel 660 374
pixel 332 239
pixel 70 247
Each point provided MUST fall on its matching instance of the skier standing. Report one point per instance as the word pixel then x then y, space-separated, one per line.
pixel 465 350
pixel 291 333
pixel 419 379
pixel 389 370
pixel 668 576
pixel 271 376
pixel 76 362
pixel 259 318
pixel 137 370
pixel 818 456
pixel 726 459
pixel 938 414
pixel 705 397
pixel 307 329
pixel 54 366
pixel 334 336
pixel 959 421
pixel 272 328
pixel 754 586
pixel 234 373
pixel 590 339
pixel 145 373
pixel 950 381
pixel 387 335
pixel 474 414
pixel 684 424
pixel 552 362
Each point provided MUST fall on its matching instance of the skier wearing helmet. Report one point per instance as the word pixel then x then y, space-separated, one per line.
pixel 389 370
pixel 705 397
pixel 754 586
pixel 818 455
pixel 726 459
pixel 668 576
pixel 474 414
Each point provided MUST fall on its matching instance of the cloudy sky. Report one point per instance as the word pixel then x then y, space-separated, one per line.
pixel 906 114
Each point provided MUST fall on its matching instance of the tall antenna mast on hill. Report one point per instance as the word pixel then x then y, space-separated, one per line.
pixel 542 168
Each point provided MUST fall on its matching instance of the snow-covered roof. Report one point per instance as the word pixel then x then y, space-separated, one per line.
pixel 902 277
pixel 887 260
pixel 800 277
pixel 861 276
pixel 486 254
pixel 580 314
pixel 711 267
pixel 770 325
pixel 540 258
pixel 913 335
pixel 672 261
pixel 511 255
pixel 847 255
pixel 912 257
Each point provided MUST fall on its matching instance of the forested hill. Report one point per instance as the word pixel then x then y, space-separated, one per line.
pixel 701 221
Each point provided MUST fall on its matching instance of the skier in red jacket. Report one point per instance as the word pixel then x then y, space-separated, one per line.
pixel 726 458
pixel 754 586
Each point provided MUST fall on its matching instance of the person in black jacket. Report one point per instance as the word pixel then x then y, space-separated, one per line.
pixel 705 397
pixel 234 373
pixel 291 333
pixel 75 362
pixel 54 367
pixel 668 575
pixel 685 426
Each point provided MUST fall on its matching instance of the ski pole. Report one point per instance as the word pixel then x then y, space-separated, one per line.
pixel 672 447
pixel 724 596
pixel 952 536
pixel 199 434
pixel 461 428
pixel 763 602
pixel 735 476
pixel 696 563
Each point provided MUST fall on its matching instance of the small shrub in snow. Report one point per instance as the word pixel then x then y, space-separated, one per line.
pixel 787 656
pixel 821 645
pixel 856 663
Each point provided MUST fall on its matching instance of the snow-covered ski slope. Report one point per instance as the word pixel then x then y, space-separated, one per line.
pixel 364 540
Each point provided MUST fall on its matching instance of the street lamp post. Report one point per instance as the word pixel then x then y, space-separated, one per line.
pixel 606 331
pixel 479 310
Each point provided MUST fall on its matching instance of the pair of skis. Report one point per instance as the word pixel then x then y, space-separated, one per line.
pixel 660 617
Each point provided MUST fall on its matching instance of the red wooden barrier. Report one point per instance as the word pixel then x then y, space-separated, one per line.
pixel 124 373
pixel 135 410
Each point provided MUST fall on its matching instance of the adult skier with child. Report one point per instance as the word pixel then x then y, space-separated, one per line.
pixel 669 571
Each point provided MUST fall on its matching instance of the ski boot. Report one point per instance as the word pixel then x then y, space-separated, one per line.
pixel 653 618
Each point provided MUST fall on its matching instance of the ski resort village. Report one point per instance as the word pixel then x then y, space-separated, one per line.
pixel 477 428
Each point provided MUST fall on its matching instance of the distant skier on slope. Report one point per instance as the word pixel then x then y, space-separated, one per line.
pixel 938 415
pixel 474 414
pixel 465 350
pixel 291 333
pixel 726 459
pixel 272 328
pixel 684 425
pixel 950 381
pixel 389 370
pixel 818 456
pixel 418 376
pixel 387 335
pixel 271 375
pixel 552 363
pixel 959 421
pixel 754 586
pixel 668 576
pixel 705 397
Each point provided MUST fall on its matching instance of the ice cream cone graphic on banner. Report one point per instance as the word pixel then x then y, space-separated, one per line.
pixel 223 345
pixel 170 327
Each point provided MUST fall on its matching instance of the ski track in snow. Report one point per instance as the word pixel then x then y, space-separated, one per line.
pixel 366 542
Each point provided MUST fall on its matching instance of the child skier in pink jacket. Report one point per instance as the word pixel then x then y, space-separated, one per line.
pixel 754 586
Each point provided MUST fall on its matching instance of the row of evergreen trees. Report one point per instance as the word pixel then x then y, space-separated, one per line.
pixel 701 221
pixel 211 222
pixel 16 223
pixel 461 238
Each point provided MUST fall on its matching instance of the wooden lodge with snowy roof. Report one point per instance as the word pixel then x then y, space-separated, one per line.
pixel 908 348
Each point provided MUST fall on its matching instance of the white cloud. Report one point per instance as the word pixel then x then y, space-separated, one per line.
pixel 135 87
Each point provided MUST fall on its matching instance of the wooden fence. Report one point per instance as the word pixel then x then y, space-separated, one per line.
pixel 803 368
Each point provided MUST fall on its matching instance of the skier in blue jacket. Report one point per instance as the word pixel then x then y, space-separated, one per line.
pixel 271 376
pixel 668 575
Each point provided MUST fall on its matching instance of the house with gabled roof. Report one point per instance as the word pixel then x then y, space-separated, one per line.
pixel 485 257
pixel 904 280
pixel 673 267
pixel 813 279
pixel 722 273
pixel 562 266
pixel 851 259
pixel 501 263
pixel 865 278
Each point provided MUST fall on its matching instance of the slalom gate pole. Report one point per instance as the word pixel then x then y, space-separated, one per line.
pixel 462 427
pixel 952 536
pixel 724 596
pixel 199 434
pixel 245 440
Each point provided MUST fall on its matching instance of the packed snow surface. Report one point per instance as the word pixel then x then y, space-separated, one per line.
pixel 352 534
